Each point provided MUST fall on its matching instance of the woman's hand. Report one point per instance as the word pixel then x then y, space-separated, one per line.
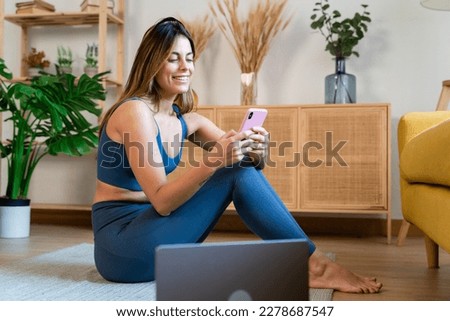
pixel 260 140
pixel 229 149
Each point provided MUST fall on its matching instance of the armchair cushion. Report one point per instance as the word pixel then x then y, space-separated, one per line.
pixel 428 208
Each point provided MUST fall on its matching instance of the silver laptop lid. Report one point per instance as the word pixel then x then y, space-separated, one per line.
pixel 251 270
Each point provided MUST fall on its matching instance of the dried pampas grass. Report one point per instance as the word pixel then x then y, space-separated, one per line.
pixel 201 30
pixel 250 38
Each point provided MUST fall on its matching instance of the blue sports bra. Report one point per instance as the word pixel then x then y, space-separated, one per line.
pixel 114 168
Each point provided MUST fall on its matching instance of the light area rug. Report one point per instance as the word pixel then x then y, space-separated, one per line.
pixel 69 274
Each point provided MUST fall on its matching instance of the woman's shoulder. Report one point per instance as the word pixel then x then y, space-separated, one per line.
pixel 131 115
pixel 136 105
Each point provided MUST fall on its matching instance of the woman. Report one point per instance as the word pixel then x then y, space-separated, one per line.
pixel 136 207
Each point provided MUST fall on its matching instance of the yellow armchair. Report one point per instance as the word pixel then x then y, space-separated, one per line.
pixel 424 152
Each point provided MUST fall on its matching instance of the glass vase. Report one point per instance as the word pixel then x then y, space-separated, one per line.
pixel 340 87
pixel 248 88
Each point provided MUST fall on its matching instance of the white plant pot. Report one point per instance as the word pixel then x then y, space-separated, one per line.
pixel 15 221
pixel 33 72
pixel 65 70
pixel 91 71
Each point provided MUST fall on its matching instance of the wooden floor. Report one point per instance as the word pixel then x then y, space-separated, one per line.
pixel 402 270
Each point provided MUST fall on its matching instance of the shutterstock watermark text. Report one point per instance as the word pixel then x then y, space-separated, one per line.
pixel 284 154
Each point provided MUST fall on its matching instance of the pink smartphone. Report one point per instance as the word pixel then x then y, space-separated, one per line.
pixel 253 117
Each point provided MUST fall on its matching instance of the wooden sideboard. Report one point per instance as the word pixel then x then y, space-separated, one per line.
pixel 323 158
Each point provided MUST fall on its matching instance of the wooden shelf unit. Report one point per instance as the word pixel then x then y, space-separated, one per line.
pixel 108 82
pixel 67 19
pixel 61 19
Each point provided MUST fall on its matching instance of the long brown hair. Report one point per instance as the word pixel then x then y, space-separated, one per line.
pixel 155 48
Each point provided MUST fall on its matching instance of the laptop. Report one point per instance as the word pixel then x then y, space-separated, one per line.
pixel 274 270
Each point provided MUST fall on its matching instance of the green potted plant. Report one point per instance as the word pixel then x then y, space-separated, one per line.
pixel 91 60
pixel 342 35
pixel 64 59
pixel 46 116
pixel 36 62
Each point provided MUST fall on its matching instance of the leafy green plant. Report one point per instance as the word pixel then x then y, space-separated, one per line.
pixel 341 35
pixel 64 56
pixel 47 116
pixel 91 57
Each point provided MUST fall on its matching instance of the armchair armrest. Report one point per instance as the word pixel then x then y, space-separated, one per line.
pixel 413 123
pixel 425 158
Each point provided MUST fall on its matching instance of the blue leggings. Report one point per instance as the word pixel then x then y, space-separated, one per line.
pixel 127 233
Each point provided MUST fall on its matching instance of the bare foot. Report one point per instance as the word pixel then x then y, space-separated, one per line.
pixel 326 274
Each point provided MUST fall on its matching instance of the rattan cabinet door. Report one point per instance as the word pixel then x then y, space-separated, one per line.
pixel 281 169
pixel 345 158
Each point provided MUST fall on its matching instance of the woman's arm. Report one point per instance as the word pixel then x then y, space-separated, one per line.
pixel 135 124
pixel 202 131
pixel 205 133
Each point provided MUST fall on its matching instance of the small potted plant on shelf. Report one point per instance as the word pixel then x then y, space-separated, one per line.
pixel 45 116
pixel 65 60
pixel 341 35
pixel 91 60
pixel 36 62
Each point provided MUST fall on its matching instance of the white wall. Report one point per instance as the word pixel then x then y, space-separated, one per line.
pixel 403 60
